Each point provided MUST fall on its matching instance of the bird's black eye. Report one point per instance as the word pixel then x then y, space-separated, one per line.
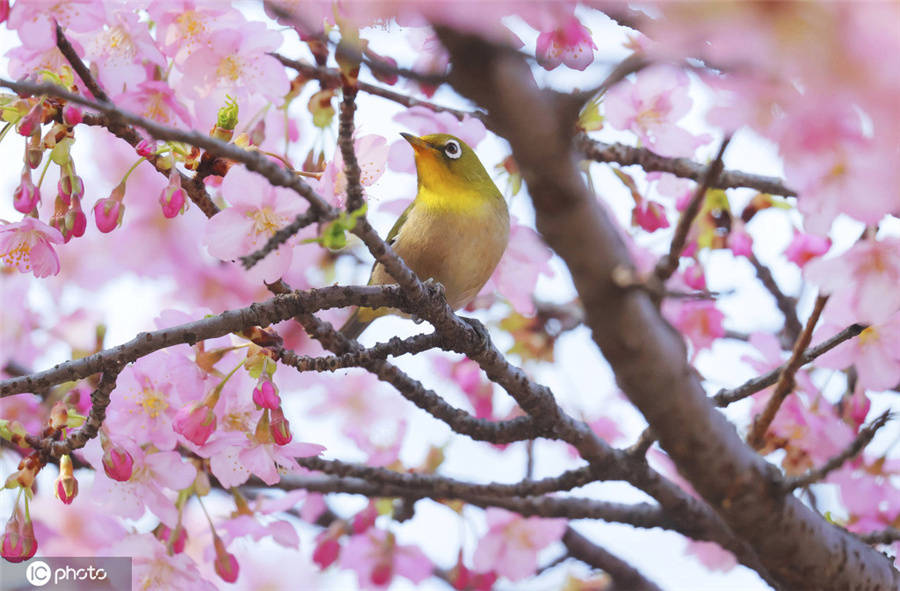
pixel 452 149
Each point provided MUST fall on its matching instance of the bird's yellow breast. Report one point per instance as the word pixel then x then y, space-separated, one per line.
pixel 456 241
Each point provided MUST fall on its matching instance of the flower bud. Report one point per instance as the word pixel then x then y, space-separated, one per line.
pixel 108 214
pixel 326 551
pixel 226 564
pixel 265 395
pixel 71 115
pixel 178 539
pixel 146 148
pixel 31 122
pixel 172 196
pixel 66 484
pixel 18 541
pixel 117 462
pixel 75 223
pixel 281 429
pixel 70 185
pixel 27 195
pixel 195 422
pixel 382 573
pixel 59 416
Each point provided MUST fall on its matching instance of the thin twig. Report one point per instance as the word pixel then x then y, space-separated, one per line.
pixel 886 536
pixel 623 574
pixel 359 358
pixel 786 304
pixel 75 61
pixel 680 167
pixel 725 397
pixel 786 382
pixel 862 439
pixel 302 220
pixel 667 265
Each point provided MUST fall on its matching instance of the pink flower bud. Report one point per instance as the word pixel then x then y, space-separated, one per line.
pixel 649 215
pixel 163 533
pixel 75 223
pixel 66 484
pixel 31 122
pixel 365 519
pixel 18 541
pixel 108 214
pixel 195 422
pixel 4 10
pixel 33 156
pixel 26 196
pixel 266 396
pixel 226 564
pixel 145 148
pixel 117 462
pixel 694 278
pixel 59 416
pixel 281 429
pixel 71 115
pixel 70 185
pixel 172 196
pixel 326 551
pixel 382 573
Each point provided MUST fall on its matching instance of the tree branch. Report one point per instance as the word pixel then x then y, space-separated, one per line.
pixel 796 546
pixel 625 577
pixel 786 305
pixel 786 380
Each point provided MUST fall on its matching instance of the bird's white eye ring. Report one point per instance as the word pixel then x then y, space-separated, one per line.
pixel 452 149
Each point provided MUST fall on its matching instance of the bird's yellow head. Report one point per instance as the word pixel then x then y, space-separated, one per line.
pixel 449 171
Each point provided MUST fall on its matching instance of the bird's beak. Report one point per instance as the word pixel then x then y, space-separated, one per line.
pixel 419 145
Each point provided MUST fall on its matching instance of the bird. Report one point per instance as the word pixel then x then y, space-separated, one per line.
pixel 454 232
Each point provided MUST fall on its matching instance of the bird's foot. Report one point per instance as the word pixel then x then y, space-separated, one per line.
pixel 434 286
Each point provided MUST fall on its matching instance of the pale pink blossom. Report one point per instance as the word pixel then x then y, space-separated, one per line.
pixel 149 393
pixel 862 281
pixel 525 260
pixel 512 543
pixel 257 210
pixel 698 320
pixel 651 105
pixel 376 557
pixel 34 21
pixel 570 43
pixel 469 378
pixel 874 353
pixel 27 246
pixel 371 153
pixel 806 247
pixel 154 474
pixel 185 26
pixel 154 99
pixel 153 568
pixel 122 50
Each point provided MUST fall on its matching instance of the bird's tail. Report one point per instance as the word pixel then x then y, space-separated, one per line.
pixel 354 326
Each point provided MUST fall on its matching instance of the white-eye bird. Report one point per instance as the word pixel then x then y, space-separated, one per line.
pixel 455 230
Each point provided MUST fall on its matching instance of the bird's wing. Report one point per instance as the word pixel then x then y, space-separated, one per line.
pixel 399 223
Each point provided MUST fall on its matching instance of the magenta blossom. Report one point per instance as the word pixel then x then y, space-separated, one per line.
pixel 172 197
pixel 27 246
pixel 265 395
pixel 806 247
pixel 570 44
pixel 195 422
pixel 26 196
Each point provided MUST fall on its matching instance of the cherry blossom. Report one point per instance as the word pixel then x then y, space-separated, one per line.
pixel 153 568
pixel 27 246
pixel 376 557
pixel 651 105
pixel 257 210
pixel 512 543
pixel 570 44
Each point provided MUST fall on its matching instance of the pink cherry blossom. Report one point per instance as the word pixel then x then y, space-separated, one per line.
pixel 874 353
pixel 265 395
pixel 376 557
pixel 257 210
pixel 699 321
pixel 512 543
pixel 861 281
pixel 34 21
pixel 122 50
pixel 525 260
pixel 467 375
pixel 185 26
pixel 195 422
pixel 422 121
pixel 651 105
pixel 26 196
pixel 570 44
pixel 806 247
pixel 371 152
pixel 149 393
pixel 154 99
pixel 27 246
pixel 649 215
pixel 154 473
pixel 153 568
